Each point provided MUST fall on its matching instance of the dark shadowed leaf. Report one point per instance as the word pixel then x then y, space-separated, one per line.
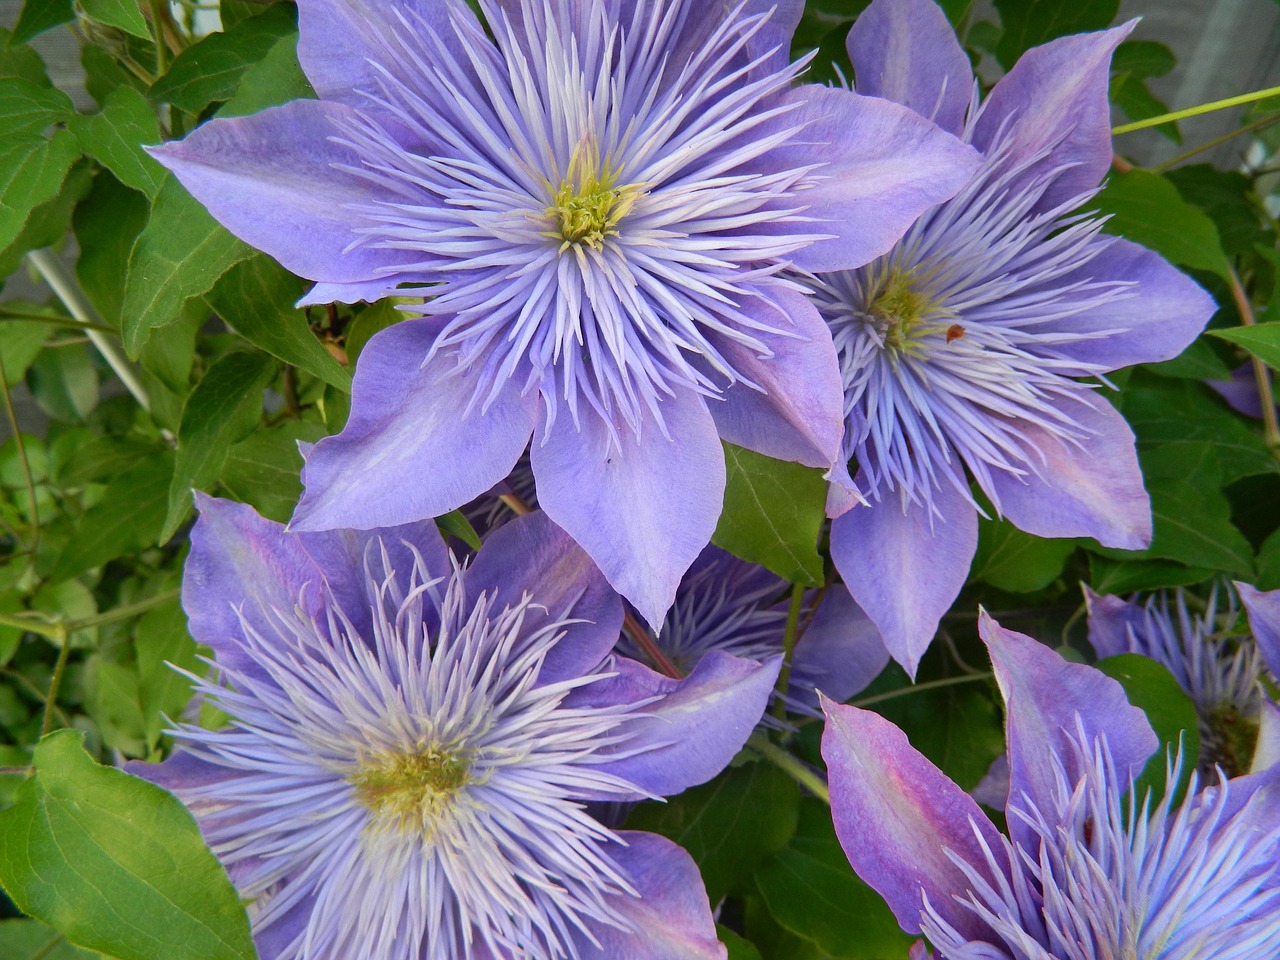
pixel 1029 23
pixel 1015 561
pixel 32 940
pixel 729 825
pixel 263 469
pixel 1152 689
pixel 40 15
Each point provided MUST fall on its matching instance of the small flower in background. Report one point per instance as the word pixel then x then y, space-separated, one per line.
pixel 960 348
pixel 412 745
pixel 1085 873
pixel 736 607
pixel 601 196
pixel 1220 672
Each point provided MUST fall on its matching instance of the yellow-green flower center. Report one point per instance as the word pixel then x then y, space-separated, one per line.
pixel 589 204
pixel 904 312
pixel 409 790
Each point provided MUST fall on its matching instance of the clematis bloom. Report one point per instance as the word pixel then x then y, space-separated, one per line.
pixel 1221 673
pixel 1085 873
pixel 962 349
pixel 413 746
pixel 597 199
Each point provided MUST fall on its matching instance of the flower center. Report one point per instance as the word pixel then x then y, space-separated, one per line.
pixel 903 314
pixel 410 790
pixel 588 205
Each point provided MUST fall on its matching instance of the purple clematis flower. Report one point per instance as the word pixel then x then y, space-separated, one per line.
pixel 1222 673
pixel 961 348
pixel 727 604
pixel 413 744
pixel 1085 873
pixel 600 197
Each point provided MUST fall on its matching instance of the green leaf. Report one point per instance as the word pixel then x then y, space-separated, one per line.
pixel 1146 208
pixel 1143 58
pixel 455 524
pixel 730 825
pixel 263 469
pixel 28 109
pixel 180 254
pixel 163 646
pixel 115 138
pixel 20 343
pixel 1029 23
pixel 1152 689
pixel 371 321
pixel 210 71
pixel 739 949
pixel 115 864
pixel 48 223
pixel 773 513
pixel 40 15
pixel 1129 576
pixel 1229 198
pixel 1201 360
pixel 1261 340
pixel 118 13
pixel 20 61
pixel 1269 563
pixel 64 382
pixel 222 410
pixel 127 518
pixel 813 892
pixel 256 298
pixel 1012 560
pixel 106 226
pixel 275 79
pixel 32 940
pixel 32 171
pixel 103 74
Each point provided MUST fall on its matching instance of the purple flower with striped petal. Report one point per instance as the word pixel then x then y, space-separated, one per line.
pixel 1089 870
pixel 1221 671
pixel 599 197
pixel 962 347
pixel 727 604
pixel 414 744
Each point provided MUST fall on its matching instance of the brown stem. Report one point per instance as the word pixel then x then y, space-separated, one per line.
pixel 635 629
pixel 1270 426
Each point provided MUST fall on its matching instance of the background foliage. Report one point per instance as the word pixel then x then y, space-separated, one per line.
pixel 164 355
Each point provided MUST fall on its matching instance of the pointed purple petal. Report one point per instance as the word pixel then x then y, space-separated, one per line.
pixel 411 448
pixel 275 180
pixel 840 652
pixel 368 292
pixel 694 727
pixel 242 565
pixel 644 510
pixel 993 789
pixel 906 51
pixel 881 165
pixel 179 771
pixel 340 41
pixel 531 555
pixel 1094 492
pixel 842 493
pixel 1263 607
pixel 800 416
pixel 1049 702
pixel 1055 101
pixel 1159 318
pixel 1241 391
pixel 670 920
pixel 905 567
pixel 1110 619
pixel 900 819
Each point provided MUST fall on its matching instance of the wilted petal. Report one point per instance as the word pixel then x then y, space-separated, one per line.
pixel 1055 99
pixel 840 652
pixel 670 920
pixel 900 819
pixel 882 165
pixel 559 576
pixel 1091 491
pixel 906 51
pixel 1163 312
pixel 1263 607
pixel 407 451
pixel 277 180
pixel 642 507
pixel 694 727
pixel 905 566
pixel 1048 703
pixel 800 414
pixel 1267 753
